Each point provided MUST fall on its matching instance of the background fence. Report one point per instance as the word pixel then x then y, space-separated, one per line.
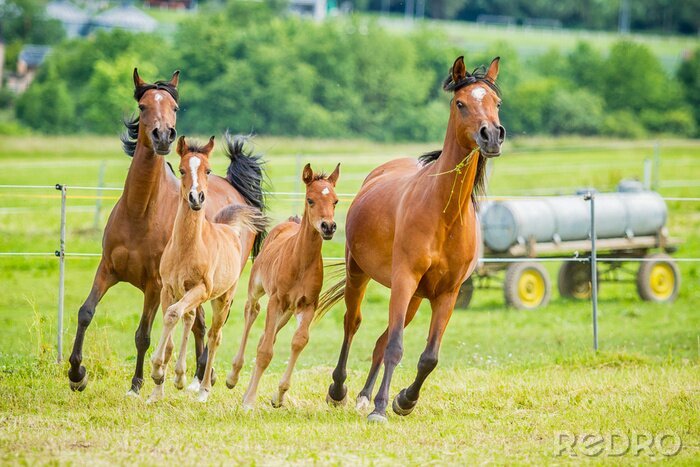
pixel 66 192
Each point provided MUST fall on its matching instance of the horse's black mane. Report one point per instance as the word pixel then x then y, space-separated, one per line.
pixel 478 75
pixel 479 180
pixel 161 85
pixel 193 146
pixel 129 137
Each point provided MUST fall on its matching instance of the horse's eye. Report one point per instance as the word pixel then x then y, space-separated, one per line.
pixel 208 171
pixel 460 105
pixel 142 107
pixel 335 202
pixel 176 108
pixel 182 172
pixel 498 105
pixel 310 201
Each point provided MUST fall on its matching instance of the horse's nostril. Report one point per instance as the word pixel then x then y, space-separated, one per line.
pixel 324 226
pixel 501 133
pixel 201 197
pixel 191 198
pixel 483 132
pixel 172 135
pixel 333 227
pixel 155 134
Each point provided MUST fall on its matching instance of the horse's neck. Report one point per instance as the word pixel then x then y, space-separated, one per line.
pixel 453 177
pixel 189 226
pixel 307 244
pixel 144 180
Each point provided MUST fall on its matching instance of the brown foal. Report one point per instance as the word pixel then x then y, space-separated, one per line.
pixel 289 270
pixel 201 262
pixel 413 228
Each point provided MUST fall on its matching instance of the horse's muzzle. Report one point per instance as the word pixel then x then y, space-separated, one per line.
pixel 328 229
pixel 196 203
pixel 162 140
pixel 490 138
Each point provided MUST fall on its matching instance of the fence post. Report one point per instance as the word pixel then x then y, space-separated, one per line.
pixel 656 174
pixel 647 174
pixel 590 196
pixel 98 202
pixel 61 275
pixel 297 182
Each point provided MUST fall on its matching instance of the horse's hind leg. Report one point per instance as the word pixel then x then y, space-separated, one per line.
pixel 365 395
pixel 104 279
pixel 252 309
pixel 199 330
pixel 354 292
pixel 220 308
pixel 181 366
pixel 299 341
pixel 142 338
pixel 442 307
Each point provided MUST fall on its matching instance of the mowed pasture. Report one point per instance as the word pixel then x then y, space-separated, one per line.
pixel 507 385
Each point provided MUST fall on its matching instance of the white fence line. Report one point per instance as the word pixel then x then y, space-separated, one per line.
pixel 592 259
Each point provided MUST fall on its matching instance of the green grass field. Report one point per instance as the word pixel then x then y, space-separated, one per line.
pixel 510 385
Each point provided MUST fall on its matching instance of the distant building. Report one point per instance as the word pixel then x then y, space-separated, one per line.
pixel 28 62
pixel 124 17
pixel 171 4
pixel 74 20
pixel 316 8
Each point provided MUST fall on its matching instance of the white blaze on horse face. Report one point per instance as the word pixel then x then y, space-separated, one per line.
pixel 478 93
pixel 159 97
pixel 325 191
pixel 194 165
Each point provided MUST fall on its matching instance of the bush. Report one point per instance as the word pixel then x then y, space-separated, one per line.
pixel 574 112
pixel 622 124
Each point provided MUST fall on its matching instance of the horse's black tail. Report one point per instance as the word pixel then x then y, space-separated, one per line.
pixel 246 173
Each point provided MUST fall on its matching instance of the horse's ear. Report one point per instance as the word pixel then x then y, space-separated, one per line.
pixel 459 71
pixel 181 146
pixel 210 145
pixel 307 175
pixel 333 178
pixel 175 79
pixel 492 74
pixel 138 82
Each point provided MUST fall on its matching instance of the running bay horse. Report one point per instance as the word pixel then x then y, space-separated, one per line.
pixel 289 270
pixel 140 224
pixel 201 262
pixel 413 228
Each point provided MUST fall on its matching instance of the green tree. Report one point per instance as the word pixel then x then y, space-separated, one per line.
pixel 689 77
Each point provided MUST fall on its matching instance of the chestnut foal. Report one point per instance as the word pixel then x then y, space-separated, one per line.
pixel 289 270
pixel 200 262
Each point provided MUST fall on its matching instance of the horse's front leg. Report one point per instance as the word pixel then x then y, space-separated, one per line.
pixel 403 286
pixel 142 338
pixel 104 279
pixel 299 341
pixel 442 307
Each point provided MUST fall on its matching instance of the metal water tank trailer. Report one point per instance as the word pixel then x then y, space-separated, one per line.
pixel 567 218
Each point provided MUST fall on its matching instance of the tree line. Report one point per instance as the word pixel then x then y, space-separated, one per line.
pixel 248 69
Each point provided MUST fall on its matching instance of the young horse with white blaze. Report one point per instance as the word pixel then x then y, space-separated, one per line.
pixel 289 270
pixel 201 262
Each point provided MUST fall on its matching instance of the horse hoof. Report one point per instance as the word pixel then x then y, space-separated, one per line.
pixel 247 408
pixel 332 401
pixel 203 395
pixel 276 401
pixel 179 381
pixel 400 400
pixel 362 403
pixel 194 385
pixel 132 393
pixel 377 418
pixel 231 381
pixel 82 384
pixel 156 395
